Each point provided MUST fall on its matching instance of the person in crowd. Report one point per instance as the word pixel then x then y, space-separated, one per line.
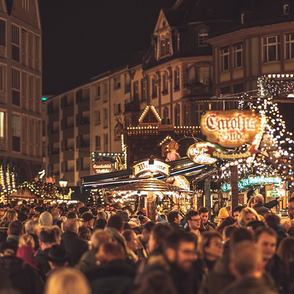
pixel 47 239
pixel 9 216
pixel 206 224
pixel 227 232
pixel 26 250
pixel 13 233
pixel 112 272
pixel 144 238
pixel 46 219
pixel 274 221
pixel 222 215
pixel 173 218
pixel 266 240
pixel 236 211
pixel 259 205
pixel 84 233
pixel 286 254
pixel 247 266
pixel 253 225
pixel 33 228
pixel 67 281
pixel 132 245
pixel 88 220
pixel 193 220
pixel 57 258
pixel 156 238
pixel 210 249
pixel 19 275
pixel 226 222
pixel 98 238
pixel 247 215
pixel 291 207
pixel 74 246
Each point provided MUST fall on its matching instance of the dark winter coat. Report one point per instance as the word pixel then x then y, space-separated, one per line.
pixel 260 209
pixel 21 276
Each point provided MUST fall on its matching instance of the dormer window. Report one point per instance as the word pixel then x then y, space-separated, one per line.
pixel 286 9
pixel 242 18
pixel 164 45
pixel 202 37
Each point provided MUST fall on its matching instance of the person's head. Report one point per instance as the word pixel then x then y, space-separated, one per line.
pixel 286 251
pixel 129 210
pixel 246 260
pixel 258 199
pixel 71 225
pixel 110 252
pixel 84 233
pixel 32 227
pixel 247 215
pixel 180 249
pixel 210 246
pixel 47 237
pixel 67 281
pixel 291 207
pixel 100 223
pixel 236 211
pixel 46 219
pixel 88 219
pixel 241 234
pixel 272 220
pixel 193 220
pixel 131 239
pixel 253 225
pixel 10 215
pixel 15 228
pixel 173 216
pixel 57 256
pixel 100 237
pixel 266 240
pixel 228 231
pixel 26 240
pixel 203 212
pixel 116 221
pixel 157 235
pixel 223 213
pixel 226 222
pixel 146 230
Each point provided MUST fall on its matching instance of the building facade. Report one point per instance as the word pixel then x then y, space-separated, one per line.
pixel 20 92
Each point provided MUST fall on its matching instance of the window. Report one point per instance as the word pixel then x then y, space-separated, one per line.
pixel 186 115
pixel 154 87
pixel 2 124
pixel 164 45
pixel 203 75
pixel 38 95
pixel 105 117
pixel 117 108
pixel 24 49
pixel 98 92
pixel 242 18
pixel 238 88
pixel 97 142
pixel 289 46
pixel 271 48
pixel 177 115
pixel 16 132
pixel 225 90
pixel 25 4
pixel 30 49
pixel 1 78
pixel 15 42
pixel 286 9
pixel 127 83
pixel 16 87
pixel 37 52
pixel 2 32
pixel 224 56
pixel 97 117
pixel 105 141
pixel 105 86
pixel 238 51
pixel 166 119
pixel 177 79
pixel 116 83
pixel 136 91
pixel 191 75
pixel 197 110
pixel 178 39
pixel 144 89
pixel 164 84
pixel 202 37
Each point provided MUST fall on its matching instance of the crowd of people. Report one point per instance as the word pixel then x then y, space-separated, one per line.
pixel 83 249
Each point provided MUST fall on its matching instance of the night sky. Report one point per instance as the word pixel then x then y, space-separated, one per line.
pixel 83 38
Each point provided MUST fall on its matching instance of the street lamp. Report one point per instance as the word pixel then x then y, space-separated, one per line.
pixel 63 184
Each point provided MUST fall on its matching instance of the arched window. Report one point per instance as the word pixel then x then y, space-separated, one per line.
pixel 164 83
pixel 177 115
pixel 177 79
pixel 166 119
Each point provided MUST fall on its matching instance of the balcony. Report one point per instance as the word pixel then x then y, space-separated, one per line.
pixel 83 106
pixel 53 116
pixel 198 89
pixel 54 158
pixel 54 137
pixel 68 111
pixel 84 128
pixel 68 155
pixel 132 106
pixel 68 133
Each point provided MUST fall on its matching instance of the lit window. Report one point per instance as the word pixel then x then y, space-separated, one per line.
pixel 2 124
pixel 286 9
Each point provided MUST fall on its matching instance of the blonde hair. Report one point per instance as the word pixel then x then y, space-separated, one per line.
pixel 243 213
pixel 27 240
pixel 10 215
pixel 67 281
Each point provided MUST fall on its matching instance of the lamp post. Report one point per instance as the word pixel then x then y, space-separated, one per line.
pixel 63 184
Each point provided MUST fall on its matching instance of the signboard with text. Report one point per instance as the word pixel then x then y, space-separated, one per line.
pixel 230 128
pixel 103 167
pixel 145 167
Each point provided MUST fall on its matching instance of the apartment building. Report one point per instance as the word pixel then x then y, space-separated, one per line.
pixel 20 92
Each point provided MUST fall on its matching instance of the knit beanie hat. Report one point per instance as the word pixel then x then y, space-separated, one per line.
pixel 223 213
pixel 46 219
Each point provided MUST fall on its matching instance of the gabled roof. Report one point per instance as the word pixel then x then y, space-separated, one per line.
pixel 175 18
pixel 149 116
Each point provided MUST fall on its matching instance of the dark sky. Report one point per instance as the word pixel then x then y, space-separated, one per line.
pixel 83 38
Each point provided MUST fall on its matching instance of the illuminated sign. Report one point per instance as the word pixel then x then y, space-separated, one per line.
pixel 200 153
pixel 145 167
pixel 103 167
pixel 230 128
pixel 246 182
